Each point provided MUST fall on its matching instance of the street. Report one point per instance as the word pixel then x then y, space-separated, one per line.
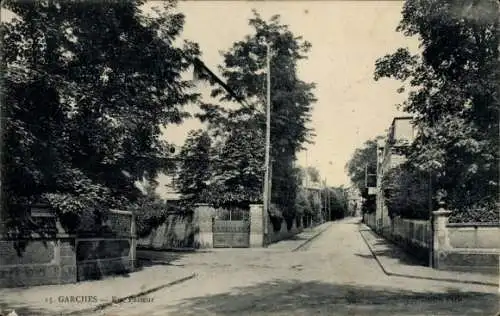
pixel 335 274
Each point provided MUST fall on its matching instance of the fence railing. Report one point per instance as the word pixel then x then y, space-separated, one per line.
pixel 370 220
pixel 417 232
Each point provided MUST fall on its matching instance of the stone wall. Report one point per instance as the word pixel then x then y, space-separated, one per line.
pixel 465 246
pixel 273 235
pixel 66 258
pixel 194 231
pixel 37 261
pixel 113 252
pixel 182 231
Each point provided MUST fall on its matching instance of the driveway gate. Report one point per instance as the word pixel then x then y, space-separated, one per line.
pixel 231 228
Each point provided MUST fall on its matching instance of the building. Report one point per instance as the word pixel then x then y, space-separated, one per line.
pixel 401 134
pixel 354 200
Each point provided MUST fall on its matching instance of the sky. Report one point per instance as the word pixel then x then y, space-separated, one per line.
pixel 347 37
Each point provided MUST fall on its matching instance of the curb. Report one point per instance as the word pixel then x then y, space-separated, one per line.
pixel 305 243
pixel 132 296
pixel 389 273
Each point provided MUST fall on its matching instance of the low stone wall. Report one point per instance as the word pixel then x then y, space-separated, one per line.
pixel 472 247
pixel 28 262
pixel 273 235
pixel 465 246
pixel 181 231
pixel 283 233
pixel 194 231
pixel 99 257
pixel 66 258
pixel 474 235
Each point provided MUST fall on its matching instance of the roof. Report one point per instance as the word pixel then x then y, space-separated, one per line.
pixel 398 118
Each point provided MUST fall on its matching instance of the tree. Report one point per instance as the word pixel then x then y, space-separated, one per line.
pixel 363 159
pixel 406 192
pixel 337 205
pixel 150 210
pixel 291 101
pixel 195 166
pixel 87 86
pixel 313 174
pixel 237 157
pixel 454 94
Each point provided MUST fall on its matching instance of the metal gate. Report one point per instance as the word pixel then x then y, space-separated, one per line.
pixel 231 228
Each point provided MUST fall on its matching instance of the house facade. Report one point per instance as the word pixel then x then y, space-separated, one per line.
pixel 401 134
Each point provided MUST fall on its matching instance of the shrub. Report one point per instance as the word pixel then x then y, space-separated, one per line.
pixel 150 213
pixel 406 192
pixel 483 211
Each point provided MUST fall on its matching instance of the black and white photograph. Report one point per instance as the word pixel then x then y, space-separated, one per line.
pixel 232 157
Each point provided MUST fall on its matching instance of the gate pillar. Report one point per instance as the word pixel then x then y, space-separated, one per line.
pixel 256 225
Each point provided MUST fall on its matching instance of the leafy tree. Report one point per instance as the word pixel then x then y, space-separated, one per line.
pixel 454 94
pixel 301 203
pixel 242 130
pixel 365 157
pixel 314 200
pixel 237 157
pixel 313 174
pixel 150 210
pixel 406 192
pixel 195 165
pixel 86 87
pixel 337 203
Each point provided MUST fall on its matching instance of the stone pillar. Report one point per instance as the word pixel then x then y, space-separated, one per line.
pixel 440 244
pixel 203 215
pixel 256 225
pixel 133 242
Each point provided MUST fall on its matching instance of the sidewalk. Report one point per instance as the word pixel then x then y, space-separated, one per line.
pixel 395 262
pixel 78 298
pixel 300 240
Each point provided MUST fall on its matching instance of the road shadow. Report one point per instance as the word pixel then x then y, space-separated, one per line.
pixel 22 310
pixel 149 257
pixel 403 259
pixel 410 256
pixel 320 298
pixel 395 251
pixel 294 237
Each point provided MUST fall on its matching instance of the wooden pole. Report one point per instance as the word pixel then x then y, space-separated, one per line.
pixel 268 132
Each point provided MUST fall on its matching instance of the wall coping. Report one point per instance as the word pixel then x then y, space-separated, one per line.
pixel 120 212
pixel 39 237
pixel 482 251
pixel 412 220
pixel 441 212
pixel 473 224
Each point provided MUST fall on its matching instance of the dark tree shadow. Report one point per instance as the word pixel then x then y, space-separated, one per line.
pixel 405 253
pixel 402 257
pixel 148 258
pixel 6 308
pixel 318 298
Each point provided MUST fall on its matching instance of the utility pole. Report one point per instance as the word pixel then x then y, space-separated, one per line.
pixel 431 223
pixel 266 196
pixel 366 175
pixel 329 204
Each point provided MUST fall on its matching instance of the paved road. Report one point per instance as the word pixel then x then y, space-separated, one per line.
pixel 334 275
